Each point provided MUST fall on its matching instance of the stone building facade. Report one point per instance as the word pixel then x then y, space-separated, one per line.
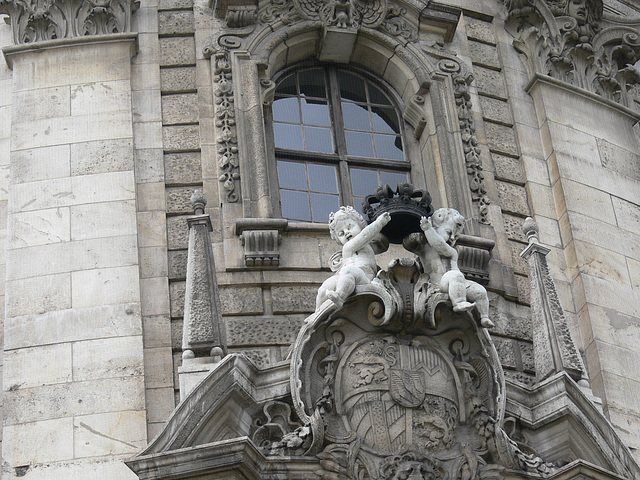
pixel 115 113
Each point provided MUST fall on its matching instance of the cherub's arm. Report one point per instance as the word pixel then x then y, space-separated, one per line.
pixel 436 241
pixel 367 234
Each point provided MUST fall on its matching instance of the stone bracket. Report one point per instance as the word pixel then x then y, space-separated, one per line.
pixel 474 255
pixel 222 8
pixel 261 248
pixel 440 19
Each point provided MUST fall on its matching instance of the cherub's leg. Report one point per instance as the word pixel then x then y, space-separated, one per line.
pixel 457 290
pixel 346 285
pixel 478 294
pixel 328 286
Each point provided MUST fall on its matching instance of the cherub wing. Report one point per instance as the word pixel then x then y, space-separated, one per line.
pixel 372 11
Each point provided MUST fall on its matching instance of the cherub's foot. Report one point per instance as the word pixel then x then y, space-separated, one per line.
pixel 336 299
pixel 486 323
pixel 463 306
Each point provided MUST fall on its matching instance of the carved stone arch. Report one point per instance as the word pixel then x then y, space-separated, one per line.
pixel 427 80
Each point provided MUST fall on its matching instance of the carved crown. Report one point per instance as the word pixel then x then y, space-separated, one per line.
pixel 406 206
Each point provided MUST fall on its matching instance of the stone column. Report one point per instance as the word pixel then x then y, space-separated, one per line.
pixel 74 376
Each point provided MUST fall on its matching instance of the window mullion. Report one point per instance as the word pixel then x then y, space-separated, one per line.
pixel 335 106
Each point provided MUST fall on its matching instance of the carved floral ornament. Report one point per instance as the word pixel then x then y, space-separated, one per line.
pixel 571 41
pixel 39 20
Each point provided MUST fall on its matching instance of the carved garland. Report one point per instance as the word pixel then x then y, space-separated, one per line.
pixel 473 163
pixel 225 116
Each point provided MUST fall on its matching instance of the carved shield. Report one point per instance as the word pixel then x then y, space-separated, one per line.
pixel 407 388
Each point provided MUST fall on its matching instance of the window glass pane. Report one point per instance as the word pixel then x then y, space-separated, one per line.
pixel 295 205
pixel 315 113
pixel 322 205
pixel 389 146
pixel 288 136
pixel 355 116
pixel 377 96
pixel 393 178
pixel 288 85
pixel 385 120
pixel 351 87
pixel 318 139
pixel 286 110
pixel 312 83
pixel 359 143
pixel 322 178
pixel 364 181
pixel 292 175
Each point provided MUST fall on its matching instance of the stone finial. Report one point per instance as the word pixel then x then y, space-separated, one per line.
pixel 553 347
pixel 530 229
pixel 198 201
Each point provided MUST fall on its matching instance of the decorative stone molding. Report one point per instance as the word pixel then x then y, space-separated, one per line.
pixel 203 332
pixel 461 79
pixel 554 349
pixel 225 116
pixel 474 255
pixel 261 248
pixel 37 20
pixel 570 41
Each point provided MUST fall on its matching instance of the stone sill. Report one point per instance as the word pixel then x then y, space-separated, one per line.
pixel 12 51
pixel 279 224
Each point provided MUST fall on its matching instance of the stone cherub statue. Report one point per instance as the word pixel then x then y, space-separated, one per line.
pixel 358 265
pixel 440 262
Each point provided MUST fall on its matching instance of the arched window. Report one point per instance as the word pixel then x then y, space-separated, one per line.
pixel 337 136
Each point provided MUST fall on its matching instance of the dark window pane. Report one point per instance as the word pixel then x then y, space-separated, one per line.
pixel 389 146
pixel 357 203
pixel 359 143
pixel 322 178
pixel 312 83
pixel 322 205
pixel 318 139
pixel 292 175
pixel 351 87
pixel 288 85
pixel 364 181
pixel 385 120
pixel 355 116
pixel 295 205
pixel 286 110
pixel 288 136
pixel 377 96
pixel 315 113
pixel 393 178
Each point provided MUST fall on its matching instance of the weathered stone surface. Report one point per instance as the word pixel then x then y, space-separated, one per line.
pixel 263 330
pixel 176 295
pixel 95 435
pixel 148 162
pixel 513 228
pixel 261 358
pixel 513 198
pixel 177 325
pixel 519 264
pixel 74 398
pixel 506 352
pixel 182 168
pixel 293 299
pixel 157 331
pixel 91 288
pixel 102 156
pixel 520 377
pixel 495 109
pixel 158 365
pixel 619 159
pixel 30 165
pixel 176 22
pixel 152 229
pixel 38 294
pixel 37 366
pixel 601 262
pixel 483 54
pixel 489 82
pixel 508 168
pixel 49 103
pixel 181 138
pixel 627 214
pixel 178 79
pixel 154 294
pixel 99 220
pixel 107 358
pixel 174 4
pixel 526 353
pixel 501 139
pixel 179 200
pixel 55 438
pixel 524 289
pixel 40 227
pixel 241 300
pixel 480 30
pixel 177 232
pixel 511 319
pixel 179 108
pixel 177 51
pixel 177 264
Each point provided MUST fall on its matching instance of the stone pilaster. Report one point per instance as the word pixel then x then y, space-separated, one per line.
pixel 74 372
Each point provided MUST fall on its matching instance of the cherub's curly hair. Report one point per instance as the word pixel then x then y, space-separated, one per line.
pixel 342 214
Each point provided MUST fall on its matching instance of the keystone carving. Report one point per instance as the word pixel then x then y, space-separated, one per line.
pixel 39 20
pixel 569 40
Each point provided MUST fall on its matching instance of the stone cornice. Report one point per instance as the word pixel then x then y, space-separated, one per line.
pixel 12 51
